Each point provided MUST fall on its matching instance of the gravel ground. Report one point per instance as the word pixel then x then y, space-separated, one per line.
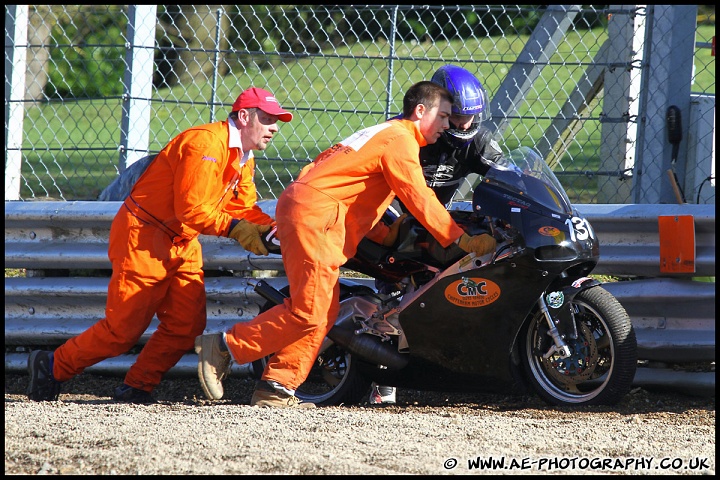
pixel 85 432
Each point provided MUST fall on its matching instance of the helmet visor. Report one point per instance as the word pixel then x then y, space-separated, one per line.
pixel 463 122
pixel 464 127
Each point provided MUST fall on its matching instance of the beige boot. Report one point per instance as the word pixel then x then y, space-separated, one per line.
pixel 213 364
pixel 266 395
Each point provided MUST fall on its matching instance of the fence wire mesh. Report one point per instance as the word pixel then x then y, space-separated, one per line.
pixel 338 68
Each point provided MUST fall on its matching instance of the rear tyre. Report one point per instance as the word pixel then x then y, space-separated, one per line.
pixel 335 377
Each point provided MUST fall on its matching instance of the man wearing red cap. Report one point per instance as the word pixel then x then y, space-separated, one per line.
pixel 321 218
pixel 202 182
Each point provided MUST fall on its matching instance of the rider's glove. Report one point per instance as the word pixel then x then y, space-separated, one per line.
pixel 271 241
pixel 391 236
pixel 480 244
pixel 248 234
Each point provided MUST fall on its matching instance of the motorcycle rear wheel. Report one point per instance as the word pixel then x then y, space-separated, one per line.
pixel 334 379
pixel 603 360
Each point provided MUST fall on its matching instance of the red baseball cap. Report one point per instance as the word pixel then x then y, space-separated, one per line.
pixel 258 98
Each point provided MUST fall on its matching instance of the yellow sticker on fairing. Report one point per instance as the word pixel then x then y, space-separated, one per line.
pixel 557 234
pixel 472 292
pixel 549 231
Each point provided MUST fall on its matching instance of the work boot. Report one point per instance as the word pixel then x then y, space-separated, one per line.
pixel 266 395
pixel 213 364
pixel 42 386
pixel 126 393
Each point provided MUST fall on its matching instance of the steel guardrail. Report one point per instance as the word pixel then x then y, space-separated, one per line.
pixel 673 316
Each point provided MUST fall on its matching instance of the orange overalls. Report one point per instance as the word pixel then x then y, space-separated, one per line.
pixel 197 184
pixel 321 218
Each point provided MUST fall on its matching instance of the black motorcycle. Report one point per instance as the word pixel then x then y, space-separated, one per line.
pixel 525 318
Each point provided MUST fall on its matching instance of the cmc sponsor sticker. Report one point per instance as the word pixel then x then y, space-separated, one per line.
pixel 472 292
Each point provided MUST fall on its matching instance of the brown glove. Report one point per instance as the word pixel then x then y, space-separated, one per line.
pixel 480 244
pixel 248 234
pixel 391 236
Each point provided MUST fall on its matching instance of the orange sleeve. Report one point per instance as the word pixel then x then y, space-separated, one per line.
pixel 402 171
pixel 198 182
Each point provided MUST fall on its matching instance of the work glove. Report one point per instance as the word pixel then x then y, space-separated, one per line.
pixel 248 234
pixel 392 235
pixel 480 244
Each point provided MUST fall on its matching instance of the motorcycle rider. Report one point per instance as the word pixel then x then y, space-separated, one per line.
pixel 464 148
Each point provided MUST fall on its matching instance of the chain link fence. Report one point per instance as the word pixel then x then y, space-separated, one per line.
pixel 80 104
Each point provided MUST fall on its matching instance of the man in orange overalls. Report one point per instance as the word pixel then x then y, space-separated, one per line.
pixel 202 182
pixel 321 218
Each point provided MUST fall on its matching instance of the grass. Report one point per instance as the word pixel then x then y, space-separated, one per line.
pixel 70 149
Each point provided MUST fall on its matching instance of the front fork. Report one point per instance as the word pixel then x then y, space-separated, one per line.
pixel 562 324
pixel 559 347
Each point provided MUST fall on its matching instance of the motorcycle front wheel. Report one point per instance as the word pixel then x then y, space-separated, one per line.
pixel 601 367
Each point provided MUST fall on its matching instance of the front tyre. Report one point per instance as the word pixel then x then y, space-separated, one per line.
pixel 603 360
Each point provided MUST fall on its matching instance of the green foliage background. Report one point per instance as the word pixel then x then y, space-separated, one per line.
pixel 92 73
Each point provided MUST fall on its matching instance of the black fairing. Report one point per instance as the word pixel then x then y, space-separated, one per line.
pixel 541 239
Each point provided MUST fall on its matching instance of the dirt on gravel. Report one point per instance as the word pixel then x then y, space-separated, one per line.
pixel 85 432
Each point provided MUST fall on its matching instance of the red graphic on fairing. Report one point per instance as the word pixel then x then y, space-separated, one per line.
pixel 549 231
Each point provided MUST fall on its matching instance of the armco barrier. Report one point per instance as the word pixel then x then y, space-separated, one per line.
pixel 674 316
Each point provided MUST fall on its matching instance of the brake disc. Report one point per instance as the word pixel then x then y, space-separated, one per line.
pixel 580 365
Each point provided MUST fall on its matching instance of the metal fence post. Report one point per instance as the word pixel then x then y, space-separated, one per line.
pixel 669 77
pixel 391 60
pixel 137 107
pixel 216 65
pixel 619 111
pixel 16 32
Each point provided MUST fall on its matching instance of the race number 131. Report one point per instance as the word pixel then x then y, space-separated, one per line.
pixel 580 229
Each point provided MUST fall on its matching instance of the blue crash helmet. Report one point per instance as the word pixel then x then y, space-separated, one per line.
pixel 469 98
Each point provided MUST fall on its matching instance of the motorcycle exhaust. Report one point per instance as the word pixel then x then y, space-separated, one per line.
pixel 368 347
